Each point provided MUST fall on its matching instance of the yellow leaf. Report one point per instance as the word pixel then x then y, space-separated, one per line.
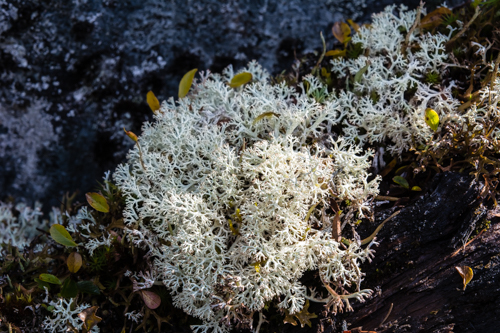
pixel 466 273
pixel 130 135
pixel 153 102
pixel 264 115
pixel 97 201
pixel 89 318
pixel 61 235
pixel 74 262
pixel 341 31
pixel 335 53
pixel 354 25
pixel 434 18
pixel 186 82
pixel 240 79
pixel 289 318
pixel 432 119
pixel 416 188
pixel 304 316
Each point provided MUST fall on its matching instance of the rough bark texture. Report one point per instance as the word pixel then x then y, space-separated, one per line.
pixel 414 267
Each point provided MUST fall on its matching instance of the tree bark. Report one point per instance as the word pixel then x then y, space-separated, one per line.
pixel 419 289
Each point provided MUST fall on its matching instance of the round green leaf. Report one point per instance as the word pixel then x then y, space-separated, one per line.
pixel 61 235
pixel 186 82
pixel 432 119
pixel 69 288
pixel 401 181
pixel 49 278
pixel 98 202
pixel 88 287
pixel 240 79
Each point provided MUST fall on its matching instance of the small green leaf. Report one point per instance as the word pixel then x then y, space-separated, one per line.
pixel 69 288
pixel 416 188
pixel 97 201
pixel 153 102
pixel 60 235
pixel 401 181
pixel 264 115
pixel 88 287
pixel 432 119
pixel 240 79
pixel 186 82
pixel 42 284
pixel 359 74
pixel 49 278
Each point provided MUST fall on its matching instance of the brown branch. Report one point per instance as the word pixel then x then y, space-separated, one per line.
pixel 461 32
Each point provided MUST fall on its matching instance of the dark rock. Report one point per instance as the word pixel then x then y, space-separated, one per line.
pixel 74 73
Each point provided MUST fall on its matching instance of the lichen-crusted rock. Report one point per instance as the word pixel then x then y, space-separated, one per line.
pixel 80 70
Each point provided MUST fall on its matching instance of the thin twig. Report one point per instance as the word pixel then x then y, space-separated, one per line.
pixel 493 76
pixel 413 27
pixel 463 247
pixel 372 236
pixel 387 315
pixel 464 29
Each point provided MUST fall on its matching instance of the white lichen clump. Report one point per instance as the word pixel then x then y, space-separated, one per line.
pixel 229 189
pixel 20 224
pixel 220 196
pixel 377 109
pixel 64 315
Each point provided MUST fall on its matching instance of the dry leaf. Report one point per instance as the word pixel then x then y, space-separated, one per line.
pixel 434 18
pixel 353 24
pixel 74 262
pixel 153 102
pixel 466 273
pixel 304 316
pixel 240 79
pixel 89 318
pixel 336 53
pixel 151 299
pixel 130 135
pixel 267 115
pixel 186 82
pixel 341 31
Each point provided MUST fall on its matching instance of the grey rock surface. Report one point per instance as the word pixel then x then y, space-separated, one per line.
pixel 74 73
